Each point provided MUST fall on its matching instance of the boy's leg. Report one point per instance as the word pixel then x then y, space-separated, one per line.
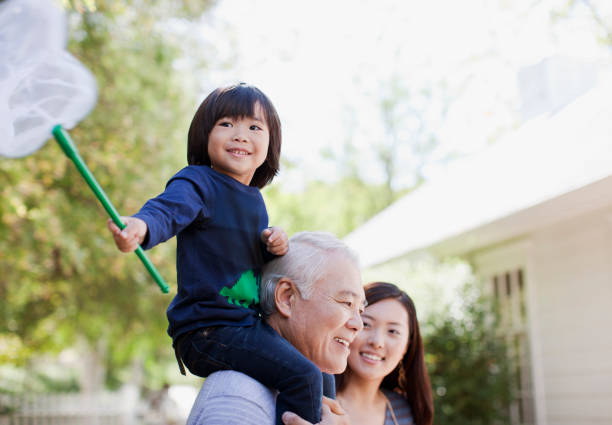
pixel 201 354
pixel 261 353
pixel 329 385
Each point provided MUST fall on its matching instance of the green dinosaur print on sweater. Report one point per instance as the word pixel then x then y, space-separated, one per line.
pixel 244 292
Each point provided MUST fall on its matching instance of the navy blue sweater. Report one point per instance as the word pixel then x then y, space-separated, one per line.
pixel 218 222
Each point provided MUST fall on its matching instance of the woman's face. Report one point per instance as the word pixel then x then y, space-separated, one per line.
pixel 382 342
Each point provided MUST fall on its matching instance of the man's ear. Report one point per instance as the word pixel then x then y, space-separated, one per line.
pixel 284 296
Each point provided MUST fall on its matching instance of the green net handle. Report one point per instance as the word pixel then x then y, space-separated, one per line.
pixel 69 148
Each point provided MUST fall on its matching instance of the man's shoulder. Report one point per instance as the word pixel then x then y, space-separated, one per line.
pixel 230 382
pixel 232 397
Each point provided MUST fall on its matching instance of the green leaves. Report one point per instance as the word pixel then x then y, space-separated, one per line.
pixel 61 277
pixel 337 207
pixel 468 365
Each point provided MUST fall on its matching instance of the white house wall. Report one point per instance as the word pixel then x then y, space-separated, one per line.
pixel 569 282
pixel 572 265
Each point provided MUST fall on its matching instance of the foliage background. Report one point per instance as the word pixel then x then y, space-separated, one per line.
pixel 62 283
pixel 467 362
pixel 68 297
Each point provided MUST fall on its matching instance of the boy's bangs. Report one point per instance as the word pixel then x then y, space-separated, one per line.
pixel 239 102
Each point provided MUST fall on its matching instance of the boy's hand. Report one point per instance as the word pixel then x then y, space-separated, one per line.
pixel 128 239
pixel 276 240
pixel 331 413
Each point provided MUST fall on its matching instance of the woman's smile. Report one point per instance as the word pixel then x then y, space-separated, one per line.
pixel 371 358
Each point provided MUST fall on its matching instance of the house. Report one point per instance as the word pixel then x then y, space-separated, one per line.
pixel 533 215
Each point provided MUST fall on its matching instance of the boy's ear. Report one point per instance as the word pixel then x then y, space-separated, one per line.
pixel 284 296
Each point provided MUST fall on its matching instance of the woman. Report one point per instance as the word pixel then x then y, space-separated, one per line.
pixel 386 380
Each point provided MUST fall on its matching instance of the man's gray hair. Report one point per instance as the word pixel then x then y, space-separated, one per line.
pixel 304 264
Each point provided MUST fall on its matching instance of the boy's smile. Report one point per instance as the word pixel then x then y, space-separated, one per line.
pixel 239 152
pixel 238 146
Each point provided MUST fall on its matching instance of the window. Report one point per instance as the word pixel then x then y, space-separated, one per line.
pixel 509 293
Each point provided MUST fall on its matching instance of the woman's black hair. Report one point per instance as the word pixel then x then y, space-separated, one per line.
pixel 236 101
pixel 409 378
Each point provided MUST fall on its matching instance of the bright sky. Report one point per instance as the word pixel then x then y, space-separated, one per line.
pixel 327 65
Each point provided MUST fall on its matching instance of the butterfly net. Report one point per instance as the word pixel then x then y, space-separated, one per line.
pixel 41 84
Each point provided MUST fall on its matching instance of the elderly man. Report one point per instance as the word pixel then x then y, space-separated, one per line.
pixel 312 296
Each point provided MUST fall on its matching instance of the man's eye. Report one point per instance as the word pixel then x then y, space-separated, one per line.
pixel 346 303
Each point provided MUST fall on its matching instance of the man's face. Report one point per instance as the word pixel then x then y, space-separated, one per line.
pixel 323 326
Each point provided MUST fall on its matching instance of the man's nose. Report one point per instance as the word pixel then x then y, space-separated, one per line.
pixel 355 322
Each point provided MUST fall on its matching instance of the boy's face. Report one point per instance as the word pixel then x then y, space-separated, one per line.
pixel 238 146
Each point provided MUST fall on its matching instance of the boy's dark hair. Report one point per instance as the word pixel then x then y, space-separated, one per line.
pixel 236 101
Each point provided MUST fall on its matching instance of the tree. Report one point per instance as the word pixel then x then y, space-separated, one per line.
pixel 336 207
pixel 61 279
pixel 410 117
pixel 468 364
pixel 603 22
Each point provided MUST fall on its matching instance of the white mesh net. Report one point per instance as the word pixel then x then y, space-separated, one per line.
pixel 41 85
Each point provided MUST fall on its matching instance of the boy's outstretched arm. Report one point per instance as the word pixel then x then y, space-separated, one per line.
pixel 128 239
pixel 276 240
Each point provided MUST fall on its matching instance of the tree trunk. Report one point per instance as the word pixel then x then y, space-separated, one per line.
pixel 92 369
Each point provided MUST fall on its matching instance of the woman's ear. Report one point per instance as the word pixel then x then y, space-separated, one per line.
pixel 284 296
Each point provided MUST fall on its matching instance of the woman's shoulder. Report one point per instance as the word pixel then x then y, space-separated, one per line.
pixel 401 409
